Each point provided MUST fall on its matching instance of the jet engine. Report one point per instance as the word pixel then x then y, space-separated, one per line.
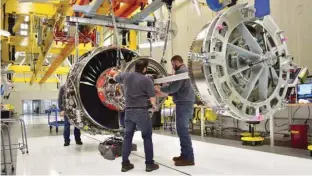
pixel 92 101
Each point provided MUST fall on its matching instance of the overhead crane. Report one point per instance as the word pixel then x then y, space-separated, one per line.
pixel 121 8
pixel 35 12
pixel 45 37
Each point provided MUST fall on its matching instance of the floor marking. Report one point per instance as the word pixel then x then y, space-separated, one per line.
pixel 164 165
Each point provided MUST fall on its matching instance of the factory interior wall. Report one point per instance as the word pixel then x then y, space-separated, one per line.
pixel 25 91
pixel 292 16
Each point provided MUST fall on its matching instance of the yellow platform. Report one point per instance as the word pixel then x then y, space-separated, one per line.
pixel 247 134
pixel 252 140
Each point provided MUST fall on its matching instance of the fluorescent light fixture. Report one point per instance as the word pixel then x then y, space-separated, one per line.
pixel 24 33
pixel 24 26
pixel 154 45
pixel 4 33
pixel 26 18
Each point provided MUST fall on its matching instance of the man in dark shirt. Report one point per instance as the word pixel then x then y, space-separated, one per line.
pixel 138 89
pixel 66 134
pixel 184 98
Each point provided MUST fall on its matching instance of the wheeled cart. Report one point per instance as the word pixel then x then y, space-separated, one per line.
pixel 4 148
pixel 23 146
pixel 55 123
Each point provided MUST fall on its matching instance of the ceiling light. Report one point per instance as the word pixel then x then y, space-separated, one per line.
pixel 26 18
pixel 24 26
pixel 24 33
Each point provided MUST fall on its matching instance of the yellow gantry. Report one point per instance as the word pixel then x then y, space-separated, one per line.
pixel 55 11
pixel 40 9
pixel 27 69
pixel 27 80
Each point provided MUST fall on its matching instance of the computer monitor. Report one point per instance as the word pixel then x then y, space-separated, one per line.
pixel 304 91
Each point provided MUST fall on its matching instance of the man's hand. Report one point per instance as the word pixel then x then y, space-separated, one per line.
pixel 154 107
pixel 161 94
pixel 157 88
pixel 62 113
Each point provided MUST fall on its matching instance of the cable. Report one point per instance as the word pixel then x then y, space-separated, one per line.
pixel 293 115
pixel 169 6
pixel 308 116
pixel 119 54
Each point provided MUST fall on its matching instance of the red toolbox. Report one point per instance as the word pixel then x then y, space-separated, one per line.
pixel 299 136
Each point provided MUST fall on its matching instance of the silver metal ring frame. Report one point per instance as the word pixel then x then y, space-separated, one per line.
pixel 153 68
pixel 214 51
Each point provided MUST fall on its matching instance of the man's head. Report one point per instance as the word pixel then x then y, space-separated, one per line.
pixel 176 62
pixel 141 66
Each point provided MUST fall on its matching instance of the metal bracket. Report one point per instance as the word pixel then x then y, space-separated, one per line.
pixel 88 10
pixel 108 23
pixel 172 78
pixel 155 5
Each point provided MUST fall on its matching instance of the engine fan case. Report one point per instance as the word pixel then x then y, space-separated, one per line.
pixel 83 106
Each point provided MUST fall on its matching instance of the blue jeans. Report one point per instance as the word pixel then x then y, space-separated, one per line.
pixel 122 118
pixel 138 118
pixel 66 133
pixel 184 112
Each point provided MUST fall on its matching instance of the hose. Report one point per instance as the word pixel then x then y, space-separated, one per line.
pixel 119 54
pixel 163 60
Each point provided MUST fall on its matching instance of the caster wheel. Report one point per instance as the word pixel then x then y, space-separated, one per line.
pixel 311 153
pixel 12 169
pixel 50 129
pixel 56 130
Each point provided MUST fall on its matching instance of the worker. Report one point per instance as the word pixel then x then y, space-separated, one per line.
pixel 138 88
pixel 184 98
pixel 66 134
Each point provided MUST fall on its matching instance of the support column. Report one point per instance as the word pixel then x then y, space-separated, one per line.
pixel 272 133
pixel 202 122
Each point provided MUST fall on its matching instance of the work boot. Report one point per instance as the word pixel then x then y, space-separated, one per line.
pixel 79 142
pixel 184 162
pixel 151 167
pixel 66 143
pixel 126 167
pixel 177 158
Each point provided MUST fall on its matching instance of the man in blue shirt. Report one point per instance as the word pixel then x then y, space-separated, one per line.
pixel 66 134
pixel 184 98
pixel 138 90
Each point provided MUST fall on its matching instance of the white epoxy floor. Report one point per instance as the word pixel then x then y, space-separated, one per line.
pixel 38 120
pixel 209 158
